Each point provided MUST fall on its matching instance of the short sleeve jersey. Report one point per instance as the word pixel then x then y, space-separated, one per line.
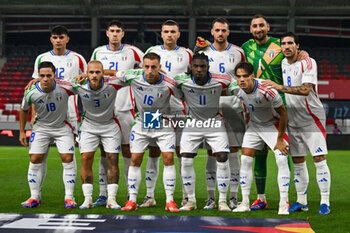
pixel 67 65
pixel 302 109
pixel 173 62
pixel 51 108
pixel 260 103
pixel 224 62
pixel 126 58
pixel 98 105
pixel 150 97
pixel 202 102
pixel 266 58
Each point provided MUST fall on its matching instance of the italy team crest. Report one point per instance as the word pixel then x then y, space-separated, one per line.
pixel 58 96
pixel 232 58
pixel 179 57
pixel 69 63
pixel 124 57
pixel 106 94
pixel 271 53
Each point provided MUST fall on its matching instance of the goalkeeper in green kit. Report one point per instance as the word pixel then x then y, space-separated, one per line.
pixel 265 54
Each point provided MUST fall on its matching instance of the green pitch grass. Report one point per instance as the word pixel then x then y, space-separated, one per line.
pixel 14 189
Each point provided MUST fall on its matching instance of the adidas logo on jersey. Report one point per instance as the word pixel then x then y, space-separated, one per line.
pixel 40 101
pixel 319 150
pixel 191 91
pixel 71 149
pixel 86 96
pixel 211 60
pixel 140 88
pixel 104 58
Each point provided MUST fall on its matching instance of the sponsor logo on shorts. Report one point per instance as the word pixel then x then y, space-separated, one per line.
pixel 71 149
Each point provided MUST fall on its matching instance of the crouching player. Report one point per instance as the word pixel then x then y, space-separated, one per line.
pixel 263 127
pixel 99 126
pixel 152 91
pixel 50 98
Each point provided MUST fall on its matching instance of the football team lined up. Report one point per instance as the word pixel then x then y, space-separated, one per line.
pixel 263 95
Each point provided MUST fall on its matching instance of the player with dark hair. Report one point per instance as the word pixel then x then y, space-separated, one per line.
pixel 306 125
pixel 118 56
pixel 68 65
pixel 202 90
pixel 174 60
pixel 50 98
pixel 267 124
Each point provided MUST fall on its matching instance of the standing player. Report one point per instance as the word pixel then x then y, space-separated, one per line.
pixel 152 94
pixel 68 64
pixel 263 127
pixel 174 60
pixel 99 126
pixel 265 54
pixel 223 58
pixel 117 56
pixel 50 99
pixel 202 91
pixel 306 125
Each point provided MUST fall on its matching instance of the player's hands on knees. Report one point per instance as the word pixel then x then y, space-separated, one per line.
pixel 282 146
pixel 271 84
pixel 31 83
pixel 80 78
pixel 23 139
pixel 201 43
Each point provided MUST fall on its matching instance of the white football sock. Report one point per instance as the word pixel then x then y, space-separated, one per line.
pixel 43 169
pixel 126 168
pixel 323 177
pixel 102 173
pixel 210 173
pixel 233 159
pixel 69 176
pixel 301 181
pixel 184 194
pixel 188 177
pixel 283 176
pixel 169 181
pixel 34 180
pixel 87 191
pixel 152 170
pixel 134 180
pixel 112 190
pixel 223 177
pixel 246 177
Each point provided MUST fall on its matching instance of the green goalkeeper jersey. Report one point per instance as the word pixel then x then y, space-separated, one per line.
pixel 266 59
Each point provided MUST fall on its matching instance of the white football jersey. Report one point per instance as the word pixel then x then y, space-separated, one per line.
pixel 67 65
pixel 174 62
pixel 302 109
pixel 261 103
pixel 51 108
pixel 98 105
pixel 202 102
pixel 126 58
pixel 150 97
pixel 224 62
